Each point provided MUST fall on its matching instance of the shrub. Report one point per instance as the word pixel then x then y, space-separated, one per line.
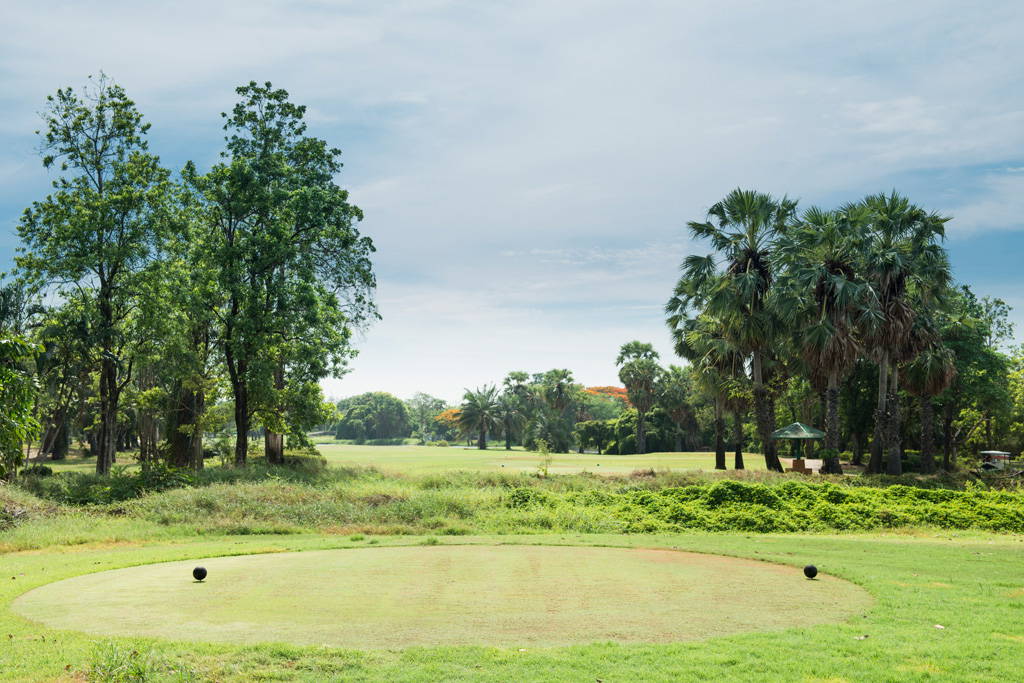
pixel 440 442
pixel 526 497
pixel 36 471
pixel 731 492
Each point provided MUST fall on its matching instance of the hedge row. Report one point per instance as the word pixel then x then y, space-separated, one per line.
pixel 792 506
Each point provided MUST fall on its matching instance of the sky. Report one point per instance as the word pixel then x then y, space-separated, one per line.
pixel 527 169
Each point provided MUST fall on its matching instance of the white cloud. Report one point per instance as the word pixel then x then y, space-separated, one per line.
pixel 527 169
pixel 997 205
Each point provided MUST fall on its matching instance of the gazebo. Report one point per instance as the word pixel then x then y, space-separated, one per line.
pixel 798 432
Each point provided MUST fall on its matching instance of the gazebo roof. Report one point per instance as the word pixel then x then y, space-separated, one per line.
pixel 798 430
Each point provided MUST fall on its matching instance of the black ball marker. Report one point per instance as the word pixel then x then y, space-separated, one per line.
pixel 810 571
pixel 199 573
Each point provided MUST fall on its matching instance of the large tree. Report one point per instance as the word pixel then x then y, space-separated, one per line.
pixel 822 298
pixel 735 285
pixel 674 399
pixel 927 376
pixel 640 373
pixel 480 413
pixel 907 270
pixel 97 233
pixel 292 272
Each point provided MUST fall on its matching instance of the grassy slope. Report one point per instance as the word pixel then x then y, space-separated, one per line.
pixel 431 459
pixel 969 583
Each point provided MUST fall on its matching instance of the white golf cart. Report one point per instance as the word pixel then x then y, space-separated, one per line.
pixel 994 460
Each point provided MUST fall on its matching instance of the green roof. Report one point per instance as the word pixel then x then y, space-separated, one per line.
pixel 798 430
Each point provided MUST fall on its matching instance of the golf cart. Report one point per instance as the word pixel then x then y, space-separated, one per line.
pixel 994 460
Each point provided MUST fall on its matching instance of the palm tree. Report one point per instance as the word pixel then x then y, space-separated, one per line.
pixel 510 415
pixel 821 298
pixel 743 229
pixel 905 267
pixel 479 413
pixel 674 399
pixel 640 373
pixel 702 341
pixel 927 376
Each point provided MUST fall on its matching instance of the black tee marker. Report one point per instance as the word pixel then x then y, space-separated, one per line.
pixel 199 573
pixel 810 571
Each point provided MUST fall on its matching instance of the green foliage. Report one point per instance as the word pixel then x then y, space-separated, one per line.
pixel 17 402
pixel 373 416
pixel 291 273
pixel 480 413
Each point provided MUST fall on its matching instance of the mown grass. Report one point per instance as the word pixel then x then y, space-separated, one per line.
pixel 969 584
pixel 432 459
pixel 921 568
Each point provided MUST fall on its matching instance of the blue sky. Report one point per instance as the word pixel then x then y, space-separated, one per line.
pixel 527 168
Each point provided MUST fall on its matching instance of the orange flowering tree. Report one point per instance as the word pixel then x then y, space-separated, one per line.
pixel 449 419
pixel 611 392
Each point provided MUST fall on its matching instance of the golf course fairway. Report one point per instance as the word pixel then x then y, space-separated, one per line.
pixel 429 595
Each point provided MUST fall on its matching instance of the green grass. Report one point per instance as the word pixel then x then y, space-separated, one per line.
pixel 431 459
pixel 970 584
pixel 504 596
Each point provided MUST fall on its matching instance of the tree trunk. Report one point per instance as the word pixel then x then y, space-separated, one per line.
pixel 481 443
pixel 878 440
pixel 678 442
pixel 508 437
pixel 737 438
pixel 947 437
pixel 242 423
pixel 107 437
pixel 762 409
pixel 273 443
pixel 830 464
pixel 893 463
pixel 927 435
pixel 858 449
pixel 641 433
pixel 719 436
pixel 185 431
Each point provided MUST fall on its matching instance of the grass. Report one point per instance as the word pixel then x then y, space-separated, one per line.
pixel 504 596
pixel 969 584
pixel 432 459
pixel 413 459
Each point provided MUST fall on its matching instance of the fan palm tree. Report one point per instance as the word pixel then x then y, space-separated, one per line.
pixel 674 399
pixel 743 230
pixel 510 415
pixel 702 341
pixel 640 373
pixel 822 298
pixel 907 271
pixel 479 413
pixel 927 376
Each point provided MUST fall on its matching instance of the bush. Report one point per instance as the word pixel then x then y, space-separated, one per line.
pixel 526 497
pixel 36 471
pixel 440 442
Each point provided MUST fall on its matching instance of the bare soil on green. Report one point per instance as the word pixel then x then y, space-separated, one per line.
pixel 505 596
